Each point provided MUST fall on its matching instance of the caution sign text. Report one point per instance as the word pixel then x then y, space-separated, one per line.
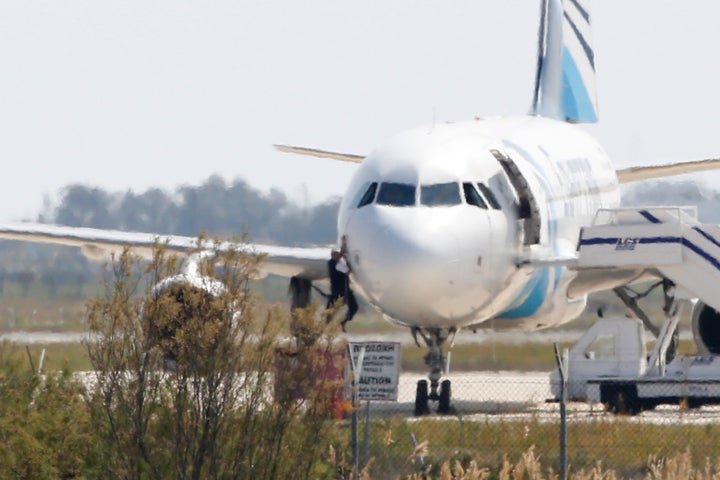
pixel 380 370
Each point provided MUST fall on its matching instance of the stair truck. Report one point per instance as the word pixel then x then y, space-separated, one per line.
pixel 610 363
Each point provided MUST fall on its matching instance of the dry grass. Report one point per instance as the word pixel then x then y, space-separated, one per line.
pixel 497 445
pixel 530 467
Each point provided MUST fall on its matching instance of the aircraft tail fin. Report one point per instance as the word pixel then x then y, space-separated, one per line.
pixel 565 79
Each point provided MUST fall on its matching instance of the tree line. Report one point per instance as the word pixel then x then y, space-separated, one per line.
pixel 216 207
pixel 675 193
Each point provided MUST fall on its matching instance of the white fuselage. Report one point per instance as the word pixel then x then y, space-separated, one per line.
pixel 428 245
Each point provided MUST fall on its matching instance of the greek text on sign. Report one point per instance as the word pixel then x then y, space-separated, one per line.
pixel 380 371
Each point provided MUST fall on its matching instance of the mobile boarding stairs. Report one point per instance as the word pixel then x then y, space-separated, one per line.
pixel 669 240
pixel 667 243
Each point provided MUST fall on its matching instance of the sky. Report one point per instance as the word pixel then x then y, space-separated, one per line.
pixel 135 94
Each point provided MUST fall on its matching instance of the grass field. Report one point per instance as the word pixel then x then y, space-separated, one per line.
pixel 466 357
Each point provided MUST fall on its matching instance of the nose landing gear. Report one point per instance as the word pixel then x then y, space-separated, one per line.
pixel 435 360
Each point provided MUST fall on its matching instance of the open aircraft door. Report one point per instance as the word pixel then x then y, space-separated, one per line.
pixel 528 213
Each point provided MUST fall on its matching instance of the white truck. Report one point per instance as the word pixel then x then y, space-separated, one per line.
pixel 610 364
pixel 624 248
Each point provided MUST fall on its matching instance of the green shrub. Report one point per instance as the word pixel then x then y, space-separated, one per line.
pixel 185 380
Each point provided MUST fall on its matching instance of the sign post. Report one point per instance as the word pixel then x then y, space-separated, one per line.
pixel 374 375
pixel 355 363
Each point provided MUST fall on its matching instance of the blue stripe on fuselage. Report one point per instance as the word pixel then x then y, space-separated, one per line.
pixel 533 300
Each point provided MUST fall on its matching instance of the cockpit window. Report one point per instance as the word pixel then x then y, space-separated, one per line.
pixel 368 196
pixel 472 197
pixel 440 194
pixel 489 195
pixel 396 194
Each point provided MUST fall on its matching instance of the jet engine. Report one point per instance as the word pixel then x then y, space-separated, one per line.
pixel 170 314
pixel 706 328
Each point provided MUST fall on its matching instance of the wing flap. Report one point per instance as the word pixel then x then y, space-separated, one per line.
pixel 634 174
pixel 314 152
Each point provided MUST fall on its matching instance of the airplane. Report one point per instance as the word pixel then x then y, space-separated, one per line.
pixel 459 225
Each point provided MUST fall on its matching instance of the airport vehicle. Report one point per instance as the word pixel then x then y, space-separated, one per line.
pixel 461 225
pixel 610 363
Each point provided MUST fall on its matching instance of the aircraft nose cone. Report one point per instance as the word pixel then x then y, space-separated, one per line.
pixel 413 268
pixel 396 252
pixel 423 266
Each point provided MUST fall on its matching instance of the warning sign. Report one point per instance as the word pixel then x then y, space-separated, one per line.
pixel 380 372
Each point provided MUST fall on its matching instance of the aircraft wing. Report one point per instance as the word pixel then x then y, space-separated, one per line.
pixel 589 279
pixel 310 263
pixel 633 174
pixel 314 152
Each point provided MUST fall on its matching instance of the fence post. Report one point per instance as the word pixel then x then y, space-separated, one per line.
pixel 366 441
pixel 32 364
pixel 562 363
pixel 356 370
pixel 42 359
pixel 420 458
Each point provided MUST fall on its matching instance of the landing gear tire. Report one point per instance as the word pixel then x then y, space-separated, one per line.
pixel 421 399
pixel 435 360
pixel 622 400
pixel 444 406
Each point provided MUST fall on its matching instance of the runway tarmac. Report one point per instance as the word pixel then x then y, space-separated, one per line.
pixel 522 396
pixel 476 393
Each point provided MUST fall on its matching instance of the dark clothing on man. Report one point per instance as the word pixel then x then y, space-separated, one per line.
pixel 338 281
pixel 340 289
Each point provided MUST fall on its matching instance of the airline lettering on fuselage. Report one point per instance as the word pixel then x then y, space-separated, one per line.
pixel 627 243
pixel 579 184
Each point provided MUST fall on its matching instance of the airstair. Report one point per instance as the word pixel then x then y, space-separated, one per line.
pixel 669 240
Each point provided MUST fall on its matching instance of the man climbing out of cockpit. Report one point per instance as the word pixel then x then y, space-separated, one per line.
pixel 339 272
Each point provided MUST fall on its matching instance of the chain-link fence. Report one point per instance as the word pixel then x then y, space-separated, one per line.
pixel 506 414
